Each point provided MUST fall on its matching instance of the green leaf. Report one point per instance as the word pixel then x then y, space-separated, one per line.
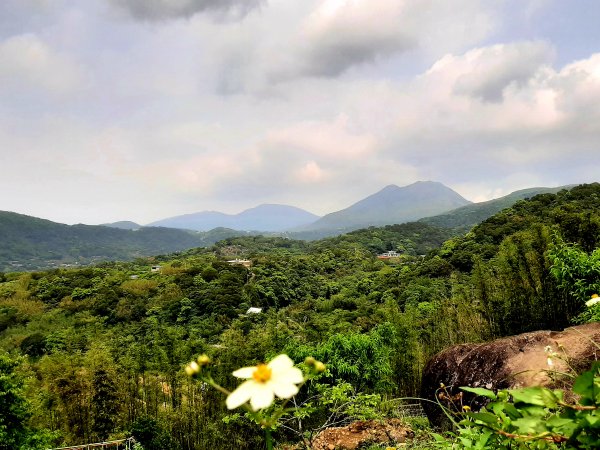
pixel 558 422
pixel 584 385
pixel 531 395
pixel 438 437
pixel 485 417
pixel 511 411
pixel 483 440
pixel 594 421
pixel 527 425
pixel 480 391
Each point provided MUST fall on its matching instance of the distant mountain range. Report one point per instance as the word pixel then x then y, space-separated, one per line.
pixel 261 218
pixel 29 243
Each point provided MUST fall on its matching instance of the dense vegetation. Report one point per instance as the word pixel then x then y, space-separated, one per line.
pixel 99 352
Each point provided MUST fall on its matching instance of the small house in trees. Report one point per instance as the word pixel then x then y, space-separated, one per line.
pixel 390 254
pixel 240 262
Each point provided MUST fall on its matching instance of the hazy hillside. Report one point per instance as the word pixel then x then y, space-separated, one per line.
pixel 32 243
pixel 469 215
pixel 392 205
pixel 265 217
pixel 123 225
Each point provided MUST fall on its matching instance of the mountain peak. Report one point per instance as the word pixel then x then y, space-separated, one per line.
pixel 394 204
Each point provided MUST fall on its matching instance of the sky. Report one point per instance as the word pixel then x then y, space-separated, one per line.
pixel 145 109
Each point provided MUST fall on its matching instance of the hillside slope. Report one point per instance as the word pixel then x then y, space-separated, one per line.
pixel 33 243
pixel 469 215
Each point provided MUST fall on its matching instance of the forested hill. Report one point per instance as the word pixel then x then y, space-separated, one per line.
pixel 103 348
pixel 31 243
pixel 467 216
pixel 572 214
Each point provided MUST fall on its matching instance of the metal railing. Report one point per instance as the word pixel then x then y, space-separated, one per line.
pixel 412 410
pixel 120 444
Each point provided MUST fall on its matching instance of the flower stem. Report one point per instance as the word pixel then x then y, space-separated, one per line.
pixel 269 439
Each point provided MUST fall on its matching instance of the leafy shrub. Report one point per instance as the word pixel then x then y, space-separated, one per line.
pixel 533 418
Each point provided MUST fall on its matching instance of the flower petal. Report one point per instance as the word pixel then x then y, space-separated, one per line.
pixel 241 395
pixel 283 388
pixel 280 363
pixel 244 372
pixel 262 396
pixel 293 375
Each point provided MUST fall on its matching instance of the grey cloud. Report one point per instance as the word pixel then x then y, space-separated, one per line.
pixel 154 10
pixel 337 54
pixel 500 66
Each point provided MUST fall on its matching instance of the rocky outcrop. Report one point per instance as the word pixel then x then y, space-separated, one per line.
pixel 362 433
pixel 506 363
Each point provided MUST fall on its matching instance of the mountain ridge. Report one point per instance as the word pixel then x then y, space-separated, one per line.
pixel 267 217
pixel 470 215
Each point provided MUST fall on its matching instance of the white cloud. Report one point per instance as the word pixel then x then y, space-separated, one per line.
pixel 27 62
pixel 539 119
pixel 331 141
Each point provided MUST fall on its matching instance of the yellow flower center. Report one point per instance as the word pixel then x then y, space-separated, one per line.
pixel 594 295
pixel 262 374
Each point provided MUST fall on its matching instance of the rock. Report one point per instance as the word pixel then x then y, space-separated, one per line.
pixel 361 433
pixel 506 363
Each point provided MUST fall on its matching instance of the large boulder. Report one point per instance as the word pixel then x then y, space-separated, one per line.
pixel 506 363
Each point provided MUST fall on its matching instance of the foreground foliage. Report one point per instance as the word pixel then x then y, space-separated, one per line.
pixel 533 418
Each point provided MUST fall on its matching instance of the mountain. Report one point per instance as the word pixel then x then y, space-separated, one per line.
pixel 30 243
pixel 123 225
pixel 265 217
pixel 468 216
pixel 391 205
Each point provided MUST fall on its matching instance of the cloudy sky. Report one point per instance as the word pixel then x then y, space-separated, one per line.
pixel 143 109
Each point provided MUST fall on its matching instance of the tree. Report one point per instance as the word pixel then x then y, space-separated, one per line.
pixel 13 406
pixel 105 404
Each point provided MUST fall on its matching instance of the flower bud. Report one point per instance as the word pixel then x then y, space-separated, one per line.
pixel 204 360
pixel 310 361
pixel 192 368
pixel 319 366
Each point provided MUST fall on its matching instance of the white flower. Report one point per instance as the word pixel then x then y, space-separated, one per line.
pixel 595 299
pixel 550 362
pixel 264 381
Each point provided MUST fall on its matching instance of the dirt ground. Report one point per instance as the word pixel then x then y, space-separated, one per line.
pixel 362 433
